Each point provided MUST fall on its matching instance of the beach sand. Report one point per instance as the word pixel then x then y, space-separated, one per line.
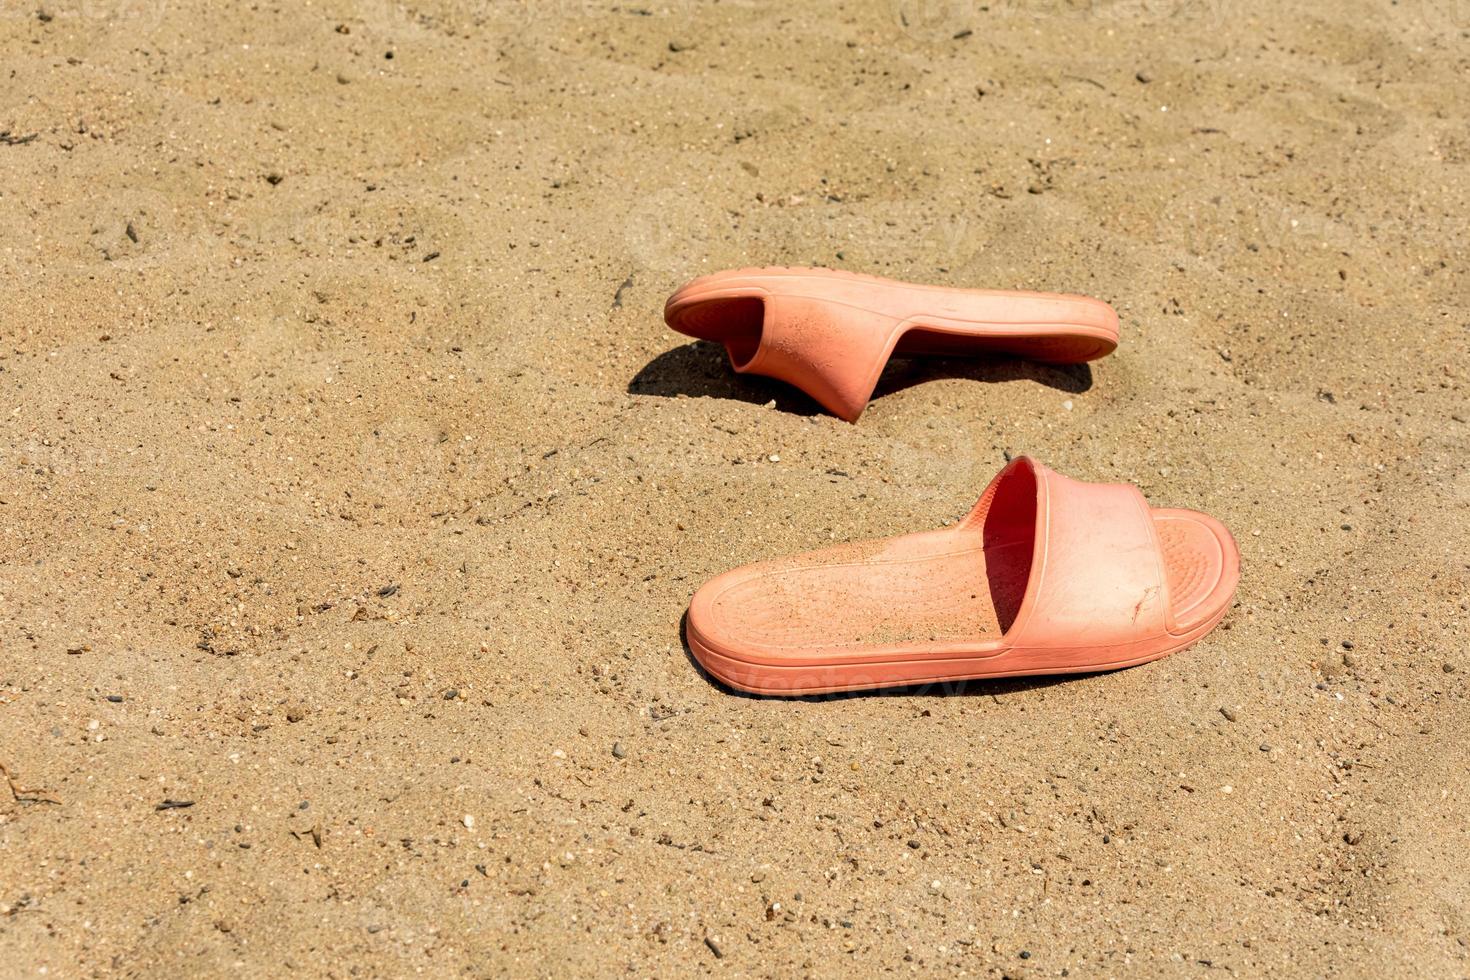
pixel 354 489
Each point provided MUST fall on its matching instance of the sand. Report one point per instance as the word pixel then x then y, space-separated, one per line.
pixel 353 488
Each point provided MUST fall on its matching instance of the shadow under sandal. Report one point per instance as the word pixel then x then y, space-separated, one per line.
pixel 830 333
pixel 1046 575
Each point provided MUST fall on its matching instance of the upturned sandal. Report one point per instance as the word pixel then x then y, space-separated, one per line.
pixel 830 333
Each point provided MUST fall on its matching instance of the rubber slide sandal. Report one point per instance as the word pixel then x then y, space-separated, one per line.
pixel 830 333
pixel 1046 575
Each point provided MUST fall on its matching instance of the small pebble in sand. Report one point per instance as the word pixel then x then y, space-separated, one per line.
pixel 774 457
pixel 468 820
pixel 715 947
pixel 618 751
pixel 1228 713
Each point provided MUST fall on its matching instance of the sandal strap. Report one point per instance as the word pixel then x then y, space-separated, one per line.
pixel 1097 570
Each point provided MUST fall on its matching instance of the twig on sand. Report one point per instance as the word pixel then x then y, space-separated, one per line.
pixel 23 795
pixel 618 296
pixel 1085 80
pixel 13 139
pixel 315 833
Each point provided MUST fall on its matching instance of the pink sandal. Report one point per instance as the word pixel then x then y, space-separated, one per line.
pixel 830 333
pixel 1046 575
